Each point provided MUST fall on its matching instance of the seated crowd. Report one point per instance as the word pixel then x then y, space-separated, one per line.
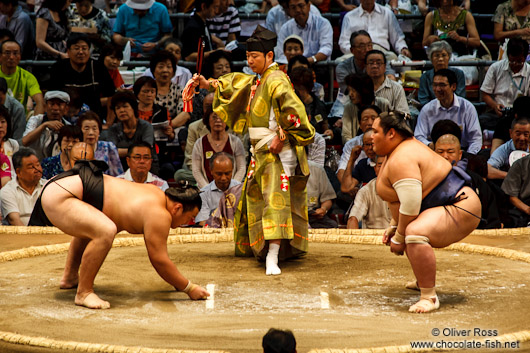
pixel 81 107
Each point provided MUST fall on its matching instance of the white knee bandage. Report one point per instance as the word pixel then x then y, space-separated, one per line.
pixel 416 239
pixel 409 193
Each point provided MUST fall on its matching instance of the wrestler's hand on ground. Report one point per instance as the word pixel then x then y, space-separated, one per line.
pixel 198 293
pixel 276 145
pixel 388 234
pixel 398 249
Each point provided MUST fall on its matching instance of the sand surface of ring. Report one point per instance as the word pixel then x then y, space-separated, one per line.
pixel 364 283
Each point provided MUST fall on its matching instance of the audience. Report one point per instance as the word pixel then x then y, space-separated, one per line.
pixel 276 341
pixel 51 30
pixel 111 55
pixel 221 167
pixel 448 105
pixel 511 20
pixel 69 135
pixel 8 146
pixel 226 25
pixel 363 172
pixel 440 54
pixel 20 24
pixel 15 109
pixel 182 74
pixel 360 44
pixel 88 19
pixel 20 194
pixel 320 197
pixel 517 186
pixel 139 159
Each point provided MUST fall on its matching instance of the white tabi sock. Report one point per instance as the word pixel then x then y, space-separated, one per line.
pixel 271 263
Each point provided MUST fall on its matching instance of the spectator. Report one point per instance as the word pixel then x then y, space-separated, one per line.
pixel 169 94
pixel 8 146
pixel 293 45
pixel 516 185
pixel 182 74
pixel 320 196
pixel 505 80
pixel 423 5
pixel 361 93
pixel 139 160
pixel 360 44
pixel 300 60
pixel 448 146
pixel 5 170
pixel 276 341
pixel 106 151
pixel 452 24
pixel 221 166
pixel 51 30
pixel 279 14
pixel 382 25
pixel 111 55
pixel 20 24
pixel 499 162
pixel 129 129
pixel 449 106
pixel 512 20
pixel 145 24
pixel 217 140
pixel 226 25
pixel 20 194
pixel 439 53
pixel 219 63
pixel 197 28
pixel 92 80
pixel 302 80
pixel 369 209
pixel 315 31
pixel 383 86
pixel 521 106
pixel 356 176
pixel 88 19
pixel 316 151
pixel 15 109
pixel 21 83
pixel 68 136
pixel 42 130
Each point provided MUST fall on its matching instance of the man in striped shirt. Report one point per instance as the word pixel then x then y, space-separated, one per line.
pixel 226 26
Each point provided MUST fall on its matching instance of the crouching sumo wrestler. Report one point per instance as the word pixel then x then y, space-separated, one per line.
pixel 93 208
pixel 430 203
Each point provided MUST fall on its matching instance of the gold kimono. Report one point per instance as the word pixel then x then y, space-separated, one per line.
pixel 273 203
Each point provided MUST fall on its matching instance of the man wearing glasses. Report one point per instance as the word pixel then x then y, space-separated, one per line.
pixel 315 30
pixel 448 105
pixel 505 81
pixel 139 160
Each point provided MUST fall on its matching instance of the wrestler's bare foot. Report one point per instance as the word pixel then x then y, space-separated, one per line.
pixel 69 282
pixel 425 305
pixel 91 301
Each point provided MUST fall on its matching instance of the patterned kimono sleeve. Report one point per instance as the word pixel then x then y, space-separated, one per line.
pixel 231 99
pixel 290 111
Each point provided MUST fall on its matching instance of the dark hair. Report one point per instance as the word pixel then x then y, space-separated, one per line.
pixel 444 127
pixel 369 106
pixel 170 40
pixel 142 81
pixel 450 74
pixel 296 59
pixel 222 155
pixel 4 32
pixel 293 40
pixel 75 98
pixel 3 85
pixel 517 47
pixel 72 131
pixel 521 106
pixel 161 56
pixel 57 6
pixel 92 1
pixel 364 85
pixel 124 97
pixel 4 113
pixel 279 341
pixel 22 153
pixel 12 2
pixel 302 76
pixel 9 41
pixel 477 164
pixel 375 51
pixel 206 117
pixel 90 115
pixel 213 58
pixel 397 121
pixel 521 120
pixel 186 194
pixel 75 38
pixel 139 144
pixel 355 34
pixel 111 49
pixel 198 4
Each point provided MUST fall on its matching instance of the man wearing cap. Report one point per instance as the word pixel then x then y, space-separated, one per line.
pixel 272 212
pixel 42 130
pixel 315 30
pixel 145 24
pixel 81 73
pixel 21 83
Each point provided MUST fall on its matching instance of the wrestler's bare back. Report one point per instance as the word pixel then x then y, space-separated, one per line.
pixel 129 205
pixel 411 159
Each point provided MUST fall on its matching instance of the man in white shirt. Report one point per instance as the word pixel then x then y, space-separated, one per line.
pixel 139 160
pixel 316 32
pixel 382 25
pixel 505 81
pixel 20 194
